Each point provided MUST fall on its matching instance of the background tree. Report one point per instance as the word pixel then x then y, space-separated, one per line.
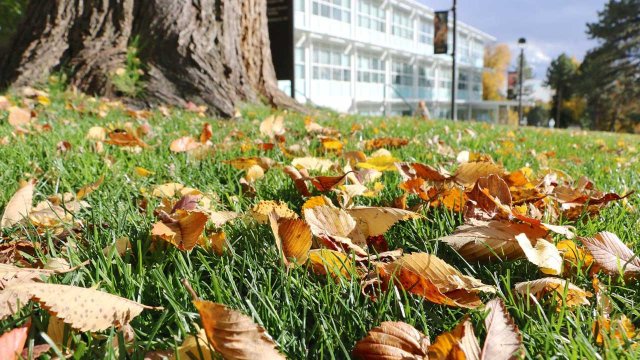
pixel 610 73
pixel 561 75
pixel 213 52
pixel 11 13
pixel 496 60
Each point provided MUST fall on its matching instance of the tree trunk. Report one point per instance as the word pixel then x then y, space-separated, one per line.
pixel 558 106
pixel 213 52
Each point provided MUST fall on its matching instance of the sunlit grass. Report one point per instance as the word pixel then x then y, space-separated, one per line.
pixel 308 315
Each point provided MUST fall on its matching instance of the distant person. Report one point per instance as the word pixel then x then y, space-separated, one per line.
pixel 552 123
pixel 422 111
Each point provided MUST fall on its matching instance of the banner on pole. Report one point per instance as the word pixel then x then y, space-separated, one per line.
pixel 441 29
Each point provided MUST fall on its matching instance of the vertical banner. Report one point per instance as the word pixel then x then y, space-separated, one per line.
pixel 280 21
pixel 441 28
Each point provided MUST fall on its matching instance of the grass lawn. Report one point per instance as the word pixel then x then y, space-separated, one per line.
pixel 308 315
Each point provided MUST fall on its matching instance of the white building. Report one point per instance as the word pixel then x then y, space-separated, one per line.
pixel 368 56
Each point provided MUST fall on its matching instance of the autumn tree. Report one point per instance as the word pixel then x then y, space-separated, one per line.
pixel 561 75
pixel 610 73
pixel 496 61
pixel 213 52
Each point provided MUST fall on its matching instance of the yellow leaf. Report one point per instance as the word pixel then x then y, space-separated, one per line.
pixel 334 263
pixel 140 171
pixel 260 212
pixel 379 163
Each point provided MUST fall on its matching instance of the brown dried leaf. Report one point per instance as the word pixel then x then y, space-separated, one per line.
pixel 120 137
pixel 18 117
pixel 83 309
pixel 272 126
pixel 235 335
pixel 392 340
pixel 88 189
pixel 612 255
pixel 18 206
pixel 12 342
pixel 478 240
pixel 503 340
pixel 468 173
pixel 432 278
pixel 385 142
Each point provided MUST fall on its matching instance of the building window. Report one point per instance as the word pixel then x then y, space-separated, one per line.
pixel 402 24
pixel 402 74
pixel 477 83
pixel 425 76
pixel 299 5
pixel 371 15
pixel 300 63
pixel 370 69
pixel 463 49
pixel 477 52
pixel 463 81
pixel 331 64
pixel 333 9
pixel 444 78
pixel 425 31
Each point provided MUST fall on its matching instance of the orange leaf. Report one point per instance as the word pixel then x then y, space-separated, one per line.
pixel 183 232
pixel 293 239
pixel 457 344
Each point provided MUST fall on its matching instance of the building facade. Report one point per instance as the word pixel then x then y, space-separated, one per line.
pixel 376 56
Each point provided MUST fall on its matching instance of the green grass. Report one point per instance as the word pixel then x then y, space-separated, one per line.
pixel 309 316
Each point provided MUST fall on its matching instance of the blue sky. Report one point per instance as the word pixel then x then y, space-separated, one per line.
pixel 550 26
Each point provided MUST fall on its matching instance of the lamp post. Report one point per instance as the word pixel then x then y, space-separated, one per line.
pixel 454 114
pixel 521 44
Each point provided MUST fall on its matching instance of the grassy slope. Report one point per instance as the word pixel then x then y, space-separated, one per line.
pixel 307 315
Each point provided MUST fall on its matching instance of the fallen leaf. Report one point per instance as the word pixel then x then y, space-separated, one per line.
pixel 544 254
pixel 293 239
pixel 468 173
pixel 18 206
pixel 96 133
pixel 503 340
pixel 235 335
pixel 392 340
pixel 12 342
pixel 334 225
pixel 478 240
pixel 432 278
pixel 612 255
pixel 379 163
pixel 375 221
pixel 272 126
pixel 260 211
pixel 140 171
pixel 88 189
pixel 18 117
pixel 385 142
pixel 184 144
pixel 334 263
pixel 216 242
pixel 550 285
pixel 313 164
pixel 83 309
pixel 120 137
pixel 458 344
pixel 193 346
pixel 245 163
pixel 182 229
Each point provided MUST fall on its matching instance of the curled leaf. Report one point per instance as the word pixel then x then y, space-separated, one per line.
pixel 293 239
pixel 392 340
pixel 564 291
pixel 18 206
pixel 235 335
pixel 458 344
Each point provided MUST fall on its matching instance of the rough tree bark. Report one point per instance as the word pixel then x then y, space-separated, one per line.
pixel 213 52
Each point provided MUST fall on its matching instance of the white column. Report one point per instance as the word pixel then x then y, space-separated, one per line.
pixel 308 54
pixel 354 58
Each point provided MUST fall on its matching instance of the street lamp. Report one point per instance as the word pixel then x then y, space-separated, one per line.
pixel 521 44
